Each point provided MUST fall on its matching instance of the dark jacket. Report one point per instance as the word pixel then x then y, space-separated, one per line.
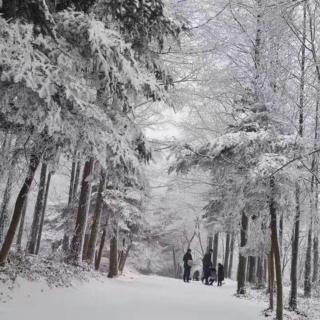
pixel 186 257
pixel 220 272
pixel 206 261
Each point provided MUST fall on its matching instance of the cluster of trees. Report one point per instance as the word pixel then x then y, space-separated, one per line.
pixel 262 151
pixel 72 75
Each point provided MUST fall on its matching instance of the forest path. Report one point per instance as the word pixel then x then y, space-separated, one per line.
pixel 129 298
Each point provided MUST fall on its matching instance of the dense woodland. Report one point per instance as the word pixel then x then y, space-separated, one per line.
pixel 167 125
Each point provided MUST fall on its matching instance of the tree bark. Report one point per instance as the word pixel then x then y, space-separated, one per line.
pixel 241 276
pixel 21 225
pixel 37 211
pixel 307 267
pixel 68 214
pixel 295 254
pixel 96 219
pixel 125 257
pixel 315 274
pixel 252 269
pixel 18 209
pixel 281 233
pixel 296 232
pixel 271 280
pixel 113 259
pixel 4 214
pixel 227 254
pixel 100 251
pixel 259 277
pixel 231 257
pixel 276 250
pixel 215 250
pixel 81 223
pixel 43 211
pixel 210 243
pixel 174 262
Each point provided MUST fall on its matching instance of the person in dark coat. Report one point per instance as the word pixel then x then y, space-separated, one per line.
pixel 220 274
pixel 207 265
pixel 187 263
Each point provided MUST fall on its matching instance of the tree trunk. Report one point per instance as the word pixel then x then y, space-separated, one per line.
pixel 100 251
pixel 295 253
pixel 125 257
pixel 4 214
pixel 241 276
pixel 271 280
pixel 231 257
pixel 227 253
pixel 37 211
pixel 315 259
pixel 43 211
pixel 18 209
pixel 281 233
pixel 113 259
pixel 307 268
pixel 252 269
pixel 259 277
pixel 85 246
pixel 68 216
pixel 21 225
pixel 82 215
pixel 215 250
pixel 174 262
pixel 76 179
pixel 276 250
pixel 96 219
pixel 210 243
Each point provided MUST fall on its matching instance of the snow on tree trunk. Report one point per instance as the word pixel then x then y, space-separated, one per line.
pixel 242 265
pixel 43 212
pixel 77 241
pixel 37 211
pixel 18 209
pixel 96 219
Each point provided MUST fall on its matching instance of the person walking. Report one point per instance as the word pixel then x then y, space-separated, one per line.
pixel 220 274
pixel 187 264
pixel 207 265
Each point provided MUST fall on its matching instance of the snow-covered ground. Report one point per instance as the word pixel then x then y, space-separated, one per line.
pixel 129 297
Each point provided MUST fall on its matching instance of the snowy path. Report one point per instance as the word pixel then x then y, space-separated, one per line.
pixel 129 298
